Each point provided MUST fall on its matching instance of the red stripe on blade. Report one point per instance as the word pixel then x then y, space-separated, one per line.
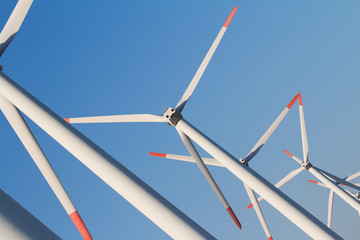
pixel 288 153
pixel 75 217
pixel 313 181
pixel 292 102
pixel 232 214
pixel 250 206
pixel 228 20
pixel 163 155
pixel 300 101
pixel 270 238
pixel 67 120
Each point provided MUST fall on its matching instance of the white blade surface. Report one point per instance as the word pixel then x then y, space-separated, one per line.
pixel 27 138
pixel 337 179
pixel 352 176
pixel 118 119
pixel 190 89
pixel 207 161
pixel 13 24
pixel 330 207
pixel 195 155
pixel 293 157
pixel 258 211
pixel 284 180
pixel 303 131
pixel 270 131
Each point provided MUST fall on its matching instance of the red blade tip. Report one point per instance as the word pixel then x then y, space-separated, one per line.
pixel 300 101
pixel 250 206
pixel 232 214
pixel 313 181
pixel 292 102
pixel 75 217
pixel 228 20
pixel 163 155
pixel 288 153
pixel 270 238
pixel 67 120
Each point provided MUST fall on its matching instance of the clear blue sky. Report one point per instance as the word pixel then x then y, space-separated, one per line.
pixel 119 57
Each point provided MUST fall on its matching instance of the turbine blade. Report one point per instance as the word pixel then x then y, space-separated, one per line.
pixel 303 131
pixel 352 176
pixel 190 89
pixel 118 119
pixel 192 150
pixel 258 211
pixel 284 180
pixel 207 161
pixel 13 24
pixel 293 157
pixel 25 135
pixel 318 183
pixel 330 208
pixel 337 179
pixel 270 131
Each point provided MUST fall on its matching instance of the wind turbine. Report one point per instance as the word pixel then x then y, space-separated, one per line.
pixel 331 194
pixel 299 216
pixel 317 172
pixel 150 203
pixel 322 175
pixel 22 130
pixel 180 106
pixel 245 161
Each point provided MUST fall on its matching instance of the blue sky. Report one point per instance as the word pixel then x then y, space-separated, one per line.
pixel 122 57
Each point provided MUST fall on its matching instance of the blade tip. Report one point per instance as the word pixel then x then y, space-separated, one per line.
pixel 163 155
pixel 288 153
pixel 67 120
pixel 270 238
pixel 300 101
pixel 312 181
pixel 228 20
pixel 233 216
pixel 250 206
pixel 75 217
pixel 292 101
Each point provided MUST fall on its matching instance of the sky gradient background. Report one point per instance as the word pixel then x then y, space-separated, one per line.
pixel 123 57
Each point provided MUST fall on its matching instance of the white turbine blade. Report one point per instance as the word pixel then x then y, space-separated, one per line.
pixel 352 176
pixel 190 89
pixel 337 179
pixel 270 131
pixel 258 211
pixel 13 24
pixel 293 157
pixel 284 180
pixel 303 131
pixel 330 207
pixel 318 183
pixel 190 147
pixel 207 161
pixel 27 138
pixel 118 119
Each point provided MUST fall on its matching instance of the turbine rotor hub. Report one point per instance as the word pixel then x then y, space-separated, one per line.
pixel 172 116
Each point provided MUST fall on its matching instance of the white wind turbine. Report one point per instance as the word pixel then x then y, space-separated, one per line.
pixel 320 174
pixel 13 98
pixel 22 130
pixel 299 216
pixel 344 182
pixel 185 139
pixel 245 161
